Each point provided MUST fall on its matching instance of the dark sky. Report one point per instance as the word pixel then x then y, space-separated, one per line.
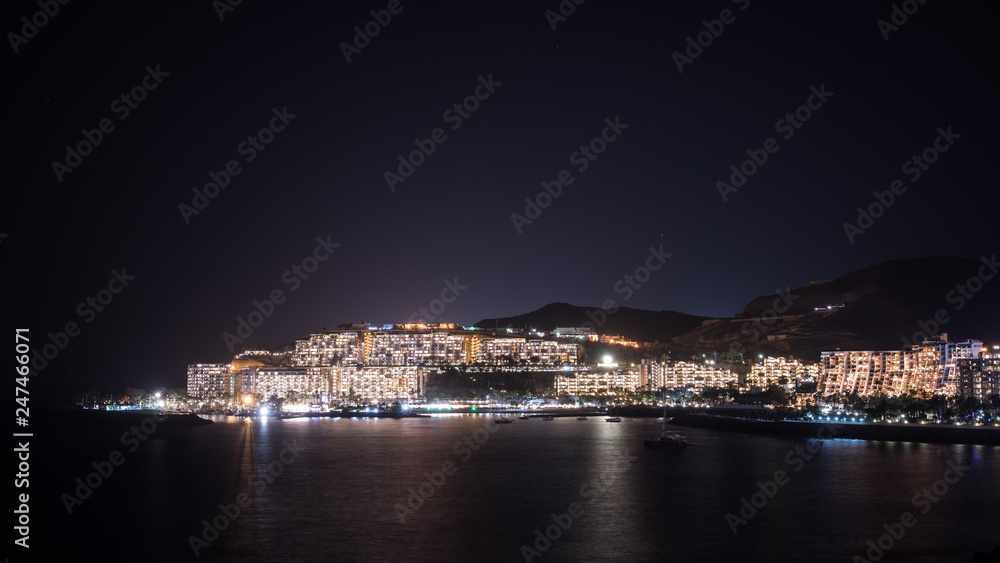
pixel 322 175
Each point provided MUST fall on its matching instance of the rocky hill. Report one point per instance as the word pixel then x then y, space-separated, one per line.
pixel 884 306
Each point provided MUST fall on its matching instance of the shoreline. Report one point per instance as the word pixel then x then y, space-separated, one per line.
pixel 930 434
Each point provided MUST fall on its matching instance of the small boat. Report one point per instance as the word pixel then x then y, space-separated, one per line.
pixel 581 418
pixel 667 438
pixel 504 420
pixel 548 417
pixel 523 417
pixel 614 418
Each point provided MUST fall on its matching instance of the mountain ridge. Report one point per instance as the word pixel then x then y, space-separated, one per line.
pixel 882 306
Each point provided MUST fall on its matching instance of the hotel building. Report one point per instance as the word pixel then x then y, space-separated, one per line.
pixel 281 382
pixel 979 378
pixel 426 345
pixel 787 372
pixel 379 384
pixel 208 381
pixel 688 375
pixel 930 366
pixel 597 382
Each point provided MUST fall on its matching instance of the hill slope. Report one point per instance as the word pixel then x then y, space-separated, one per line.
pixel 634 324
pixel 884 306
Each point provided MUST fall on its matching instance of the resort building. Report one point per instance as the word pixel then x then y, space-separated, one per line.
pixel 421 345
pixel 208 381
pixel 930 366
pixel 787 372
pixel 979 378
pixel 597 383
pixel 360 384
pixel 286 382
pixel 688 375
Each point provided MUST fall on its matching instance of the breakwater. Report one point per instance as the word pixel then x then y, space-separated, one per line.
pixel 929 433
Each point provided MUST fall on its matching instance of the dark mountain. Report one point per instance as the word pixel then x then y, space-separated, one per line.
pixel 634 324
pixel 882 307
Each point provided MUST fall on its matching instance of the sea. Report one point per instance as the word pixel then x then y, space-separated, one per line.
pixel 463 488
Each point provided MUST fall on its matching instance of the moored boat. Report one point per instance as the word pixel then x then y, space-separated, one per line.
pixel 668 438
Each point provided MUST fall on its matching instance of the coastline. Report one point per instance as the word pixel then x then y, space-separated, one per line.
pixel 926 433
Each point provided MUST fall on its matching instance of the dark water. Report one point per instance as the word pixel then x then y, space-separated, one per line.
pixel 335 499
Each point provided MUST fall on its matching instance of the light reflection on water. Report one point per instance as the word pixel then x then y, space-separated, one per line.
pixel 337 501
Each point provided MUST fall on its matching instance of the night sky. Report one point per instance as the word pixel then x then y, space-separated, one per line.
pixel 339 126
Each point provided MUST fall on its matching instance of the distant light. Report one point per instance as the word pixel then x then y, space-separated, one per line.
pixel 263 411
pixel 607 359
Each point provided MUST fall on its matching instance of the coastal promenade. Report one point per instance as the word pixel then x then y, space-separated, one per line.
pixel 928 433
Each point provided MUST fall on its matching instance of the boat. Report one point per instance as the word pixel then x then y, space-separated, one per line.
pixel 504 420
pixel 523 417
pixel 614 418
pixel 548 417
pixel 667 438
pixel 581 418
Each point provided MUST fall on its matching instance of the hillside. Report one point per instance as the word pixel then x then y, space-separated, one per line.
pixel 878 307
pixel 633 324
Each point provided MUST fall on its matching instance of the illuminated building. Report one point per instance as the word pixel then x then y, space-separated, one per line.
pixel 424 344
pixel 597 382
pixel 781 371
pixel 283 381
pixel 676 375
pixel 207 381
pixel 930 366
pixel 379 384
pixel 979 378
pixel 328 349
